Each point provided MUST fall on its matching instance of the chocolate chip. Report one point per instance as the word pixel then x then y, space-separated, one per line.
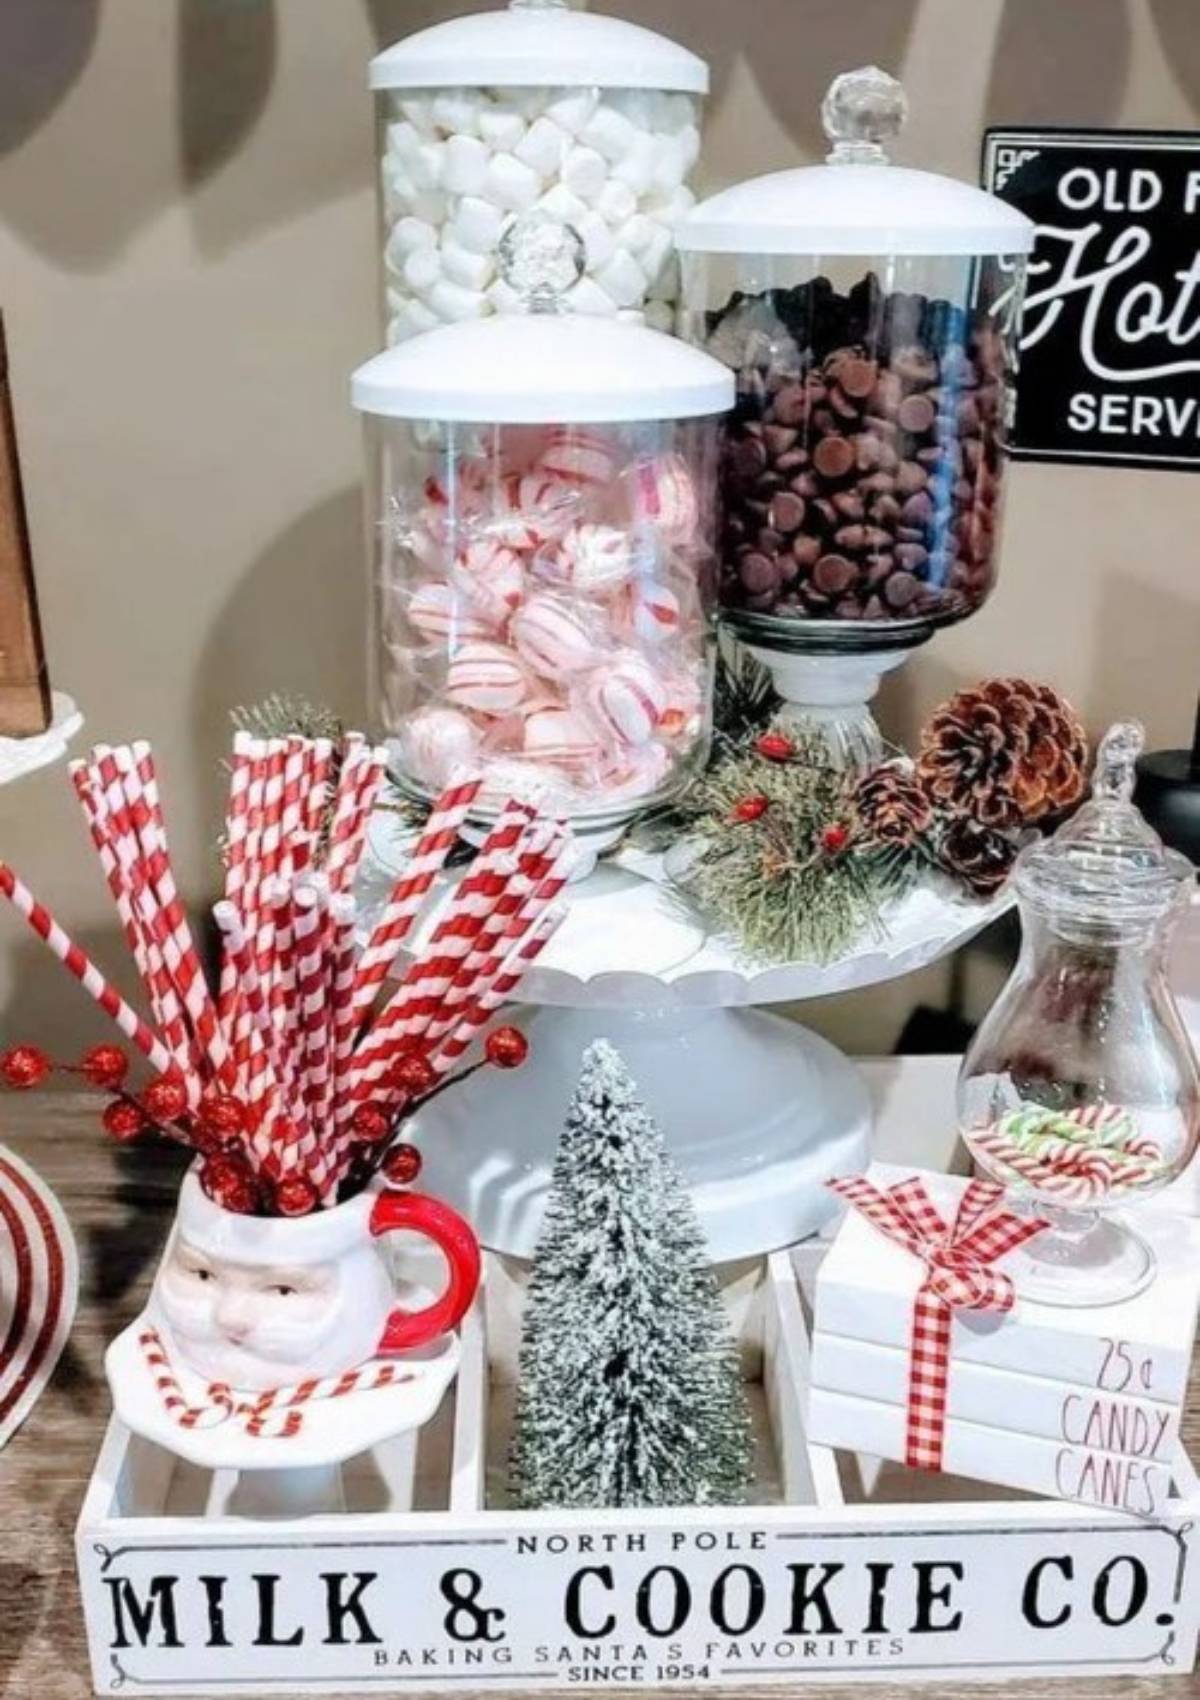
pixel 770 541
pixel 791 405
pixel 833 457
pixel 910 477
pixel 851 537
pixel 848 609
pixel 787 511
pixel 912 557
pixel 842 404
pixel 918 510
pixel 917 414
pixel 779 439
pixel 900 589
pixel 857 377
pixel 850 505
pixel 748 457
pixel 834 573
pixel 758 573
pixel 806 551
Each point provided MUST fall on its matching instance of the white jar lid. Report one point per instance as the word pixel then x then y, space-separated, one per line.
pixel 538 44
pixel 857 203
pixel 543 368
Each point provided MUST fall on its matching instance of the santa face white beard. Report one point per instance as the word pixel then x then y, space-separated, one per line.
pixel 259 1327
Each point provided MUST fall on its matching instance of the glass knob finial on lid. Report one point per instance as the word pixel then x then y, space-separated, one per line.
pixel 538 5
pixel 862 111
pixel 541 258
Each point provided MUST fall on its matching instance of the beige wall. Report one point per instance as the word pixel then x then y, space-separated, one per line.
pixel 187 268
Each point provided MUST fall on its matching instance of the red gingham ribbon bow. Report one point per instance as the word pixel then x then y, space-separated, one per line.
pixel 958 1256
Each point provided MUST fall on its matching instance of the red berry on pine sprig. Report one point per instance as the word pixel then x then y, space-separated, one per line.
pixel 413 1075
pixel 228 1181
pixel 774 746
pixel 834 839
pixel 223 1115
pixel 749 809
pixel 165 1099
pixel 24 1066
pixel 370 1124
pixel 506 1047
pixel 124 1120
pixel 402 1165
pixel 105 1066
pixel 296 1196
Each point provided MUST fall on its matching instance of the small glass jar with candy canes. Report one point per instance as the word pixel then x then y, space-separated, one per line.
pixel 590 120
pixel 1081 1090
pixel 541 494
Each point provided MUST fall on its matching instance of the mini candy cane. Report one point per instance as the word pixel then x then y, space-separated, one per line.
pixel 219 1406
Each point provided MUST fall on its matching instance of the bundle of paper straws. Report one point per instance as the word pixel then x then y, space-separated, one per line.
pixel 303 1030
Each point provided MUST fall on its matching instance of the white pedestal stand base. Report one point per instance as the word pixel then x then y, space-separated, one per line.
pixel 832 694
pixel 758 1112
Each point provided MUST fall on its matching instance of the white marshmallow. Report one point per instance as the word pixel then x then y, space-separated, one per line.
pixel 689 144
pixel 616 202
pixel 679 112
pixel 636 234
pixel 669 167
pixel 408 234
pixel 465 165
pixel 410 320
pixel 631 316
pixel 422 269
pixel 529 102
pixel 584 172
pixel 573 110
pixel 511 183
pixel 560 202
pixel 637 166
pixel 660 316
pixel 657 252
pixel 587 297
pixel 418 109
pixel 597 239
pixel 452 302
pixel 501 127
pixel 457 111
pixel 473 271
pixel 609 132
pixel 431 205
pixel 478 225
pixel 404 141
pixel 427 170
pixel 622 279
pixel 542 147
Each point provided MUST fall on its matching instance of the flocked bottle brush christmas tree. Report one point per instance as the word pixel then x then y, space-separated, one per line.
pixel 630 1393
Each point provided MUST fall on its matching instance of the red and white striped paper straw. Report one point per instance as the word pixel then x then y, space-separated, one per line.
pixel 515 966
pixel 410 891
pixel 85 971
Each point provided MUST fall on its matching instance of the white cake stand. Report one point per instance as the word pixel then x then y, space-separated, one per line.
pixel 758 1111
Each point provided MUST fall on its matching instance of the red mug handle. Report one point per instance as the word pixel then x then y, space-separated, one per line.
pixel 419 1214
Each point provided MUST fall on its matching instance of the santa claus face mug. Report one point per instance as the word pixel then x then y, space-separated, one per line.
pixel 259 1303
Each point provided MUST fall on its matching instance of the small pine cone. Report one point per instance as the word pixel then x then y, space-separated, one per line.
pixel 890 806
pixel 1004 754
pixel 979 856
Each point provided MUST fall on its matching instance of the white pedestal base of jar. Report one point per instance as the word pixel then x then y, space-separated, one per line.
pixel 760 1114
pixel 832 694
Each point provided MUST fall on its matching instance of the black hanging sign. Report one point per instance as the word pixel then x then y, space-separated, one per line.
pixel 1110 343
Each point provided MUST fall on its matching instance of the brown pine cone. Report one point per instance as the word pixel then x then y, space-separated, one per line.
pixel 890 806
pixel 1004 753
pixel 977 855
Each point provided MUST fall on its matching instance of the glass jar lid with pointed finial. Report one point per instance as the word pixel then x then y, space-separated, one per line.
pixel 1080 1090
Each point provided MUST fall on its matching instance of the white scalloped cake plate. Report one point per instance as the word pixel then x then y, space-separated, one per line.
pixel 630 941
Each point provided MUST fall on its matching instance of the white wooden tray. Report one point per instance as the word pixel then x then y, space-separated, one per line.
pixel 420 1578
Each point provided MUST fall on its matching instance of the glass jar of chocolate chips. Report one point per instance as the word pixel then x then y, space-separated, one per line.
pixel 870 314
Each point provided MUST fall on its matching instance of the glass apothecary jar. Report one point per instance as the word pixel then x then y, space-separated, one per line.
pixel 870 314
pixel 534 107
pixel 542 517
pixel 1080 1090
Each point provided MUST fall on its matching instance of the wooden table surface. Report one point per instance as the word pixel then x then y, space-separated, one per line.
pixel 120 1203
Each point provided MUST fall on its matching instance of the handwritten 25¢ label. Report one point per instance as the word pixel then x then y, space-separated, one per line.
pixel 1110 341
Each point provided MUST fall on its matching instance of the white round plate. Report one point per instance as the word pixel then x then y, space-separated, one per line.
pixel 332 1429
pixel 19 756
pixel 630 941
pixel 757 1112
